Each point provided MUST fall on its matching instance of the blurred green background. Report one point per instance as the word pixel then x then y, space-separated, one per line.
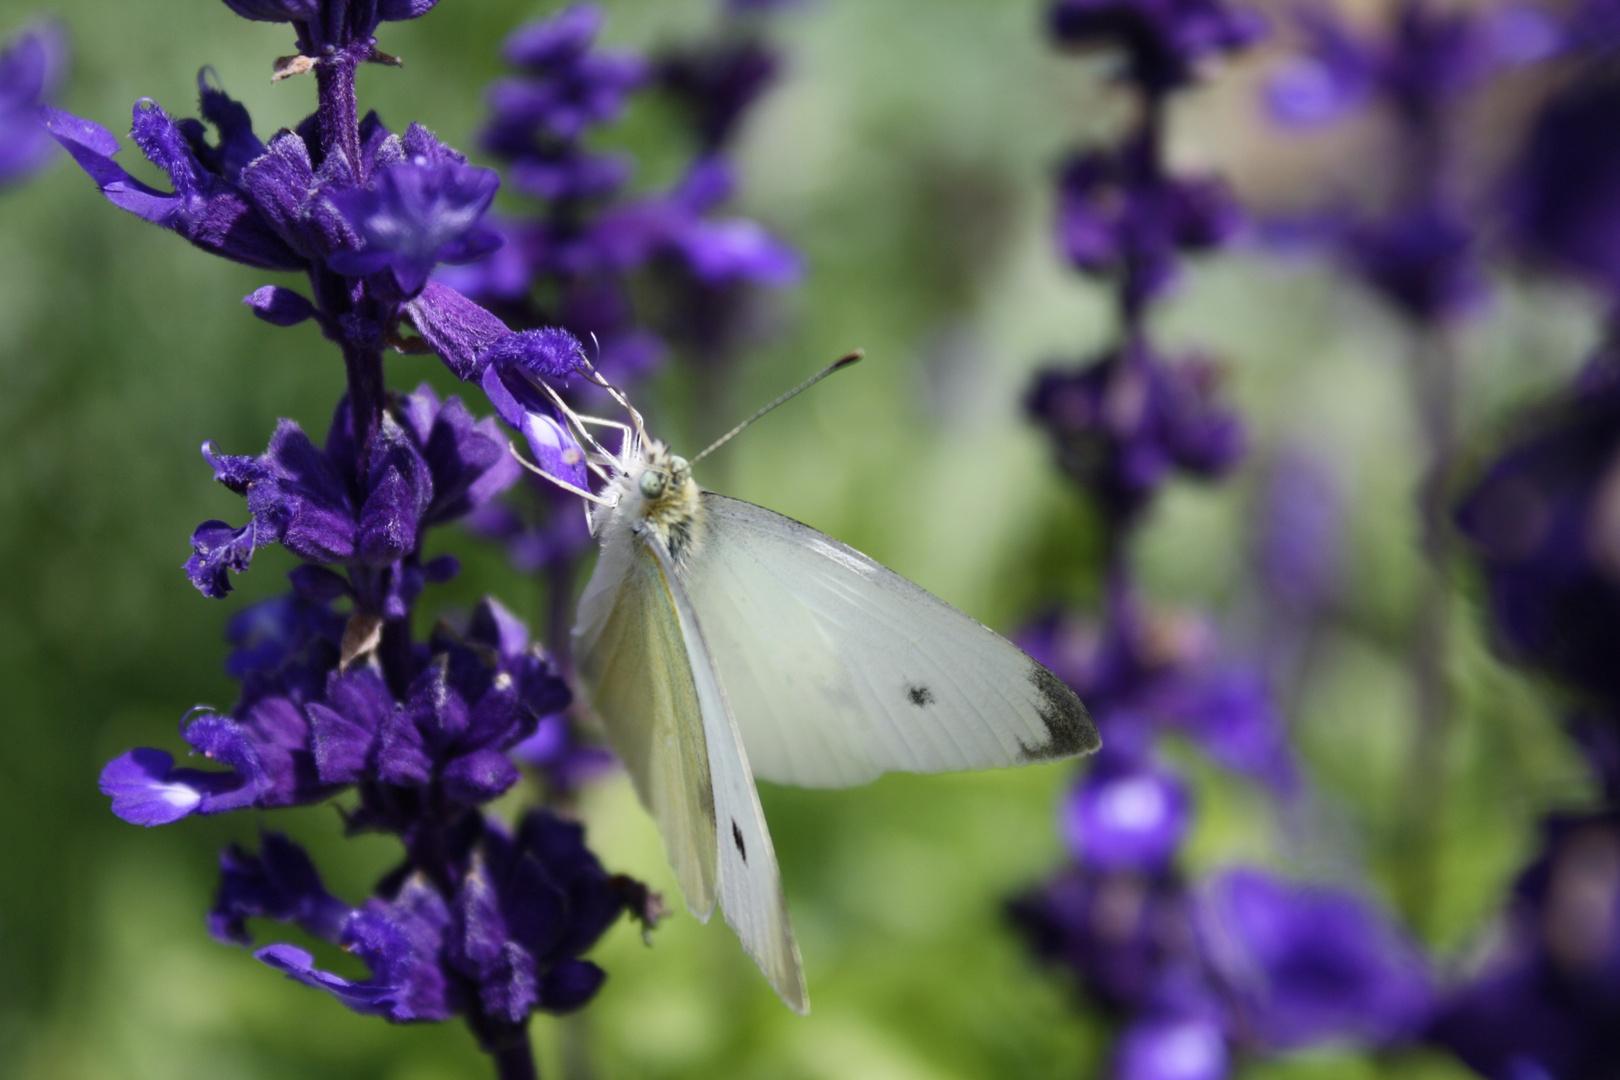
pixel 907 153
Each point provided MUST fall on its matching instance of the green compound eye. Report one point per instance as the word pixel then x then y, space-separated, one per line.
pixel 651 484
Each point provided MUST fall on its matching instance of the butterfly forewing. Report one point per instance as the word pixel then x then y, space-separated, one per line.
pixel 839 669
pixel 750 882
pixel 634 670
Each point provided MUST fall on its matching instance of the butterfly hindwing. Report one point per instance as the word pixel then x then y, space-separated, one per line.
pixel 635 672
pixel 750 882
pixel 838 669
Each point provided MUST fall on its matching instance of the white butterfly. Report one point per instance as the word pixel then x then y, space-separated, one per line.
pixel 719 641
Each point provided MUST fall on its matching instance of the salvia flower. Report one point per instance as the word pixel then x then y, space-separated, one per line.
pixel 1540 522
pixel 1563 206
pixel 30 69
pixel 1125 422
pixel 1545 1001
pixel 1118 214
pixel 327 25
pixel 1164 41
pixel 506 941
pixel 1306 964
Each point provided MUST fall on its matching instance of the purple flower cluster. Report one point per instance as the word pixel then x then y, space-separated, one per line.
pixel 338 697
pixel 30 70
pixel 1422 251
pixel 1195 973
pixel 573 262
pixel 1545 998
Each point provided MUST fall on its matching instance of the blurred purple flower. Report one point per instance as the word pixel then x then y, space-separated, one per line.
pixel 1164 40
pixel 718 83
pixel 1564 195
pixel 1423 260
pixel 1127 813
pixel 565 87
pixel 1118 214
pixel 1546 1000
pixel 1306 964
pixel 1542 522
pixel 1124 936
pixel 1429 58
pixel 1173 1046
pixel 31 66
pixel 1123 422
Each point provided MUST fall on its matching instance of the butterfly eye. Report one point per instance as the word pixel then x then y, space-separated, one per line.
pixel 651 484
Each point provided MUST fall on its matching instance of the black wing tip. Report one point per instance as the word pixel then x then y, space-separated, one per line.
pixel 1069 728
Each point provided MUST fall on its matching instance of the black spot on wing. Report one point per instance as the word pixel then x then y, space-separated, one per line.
pixel 1069 730
pixel 920 696
pixel 736 836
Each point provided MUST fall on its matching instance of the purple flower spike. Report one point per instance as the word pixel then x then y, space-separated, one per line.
pixel 415 217
pixel 1307 964
pixel 30 68
pixel 566 88
pixel 1127 814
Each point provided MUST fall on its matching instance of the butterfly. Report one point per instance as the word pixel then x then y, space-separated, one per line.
pixel 719 641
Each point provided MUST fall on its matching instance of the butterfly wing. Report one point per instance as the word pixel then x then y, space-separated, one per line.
pixel 634 672
pixel 838 669
pixel 658 727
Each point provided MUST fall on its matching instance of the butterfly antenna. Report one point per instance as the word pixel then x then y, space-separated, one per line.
pixel 838 365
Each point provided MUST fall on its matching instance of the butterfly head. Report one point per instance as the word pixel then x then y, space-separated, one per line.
pixel 662 494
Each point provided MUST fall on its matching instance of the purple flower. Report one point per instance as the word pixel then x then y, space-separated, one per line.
pixel 213 211
pixel 30 69
pixel 1423 260
pixel 1127 813
pixel 1427 61
pixel 516 367
pixel 1227 708
pixel 565 87
pixel 1546 999
pixel 1563 205
pixel 1172 1046
pixel 415 216
pixel 326 25
pixel 1118 214
pixel 1309 963
pixel 1126 937
pixel 280 883
pixel 718 83
pixel 1124 421
pixel 430 464
pixel 1163 40
pixel 1540 521
pixel 507 941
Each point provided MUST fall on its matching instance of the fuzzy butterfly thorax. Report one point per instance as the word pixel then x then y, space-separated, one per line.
pixel 656 490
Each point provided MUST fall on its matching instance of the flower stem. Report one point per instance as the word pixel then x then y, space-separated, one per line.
pixel 508 1044
pixel 338 109
pixel 1434 372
